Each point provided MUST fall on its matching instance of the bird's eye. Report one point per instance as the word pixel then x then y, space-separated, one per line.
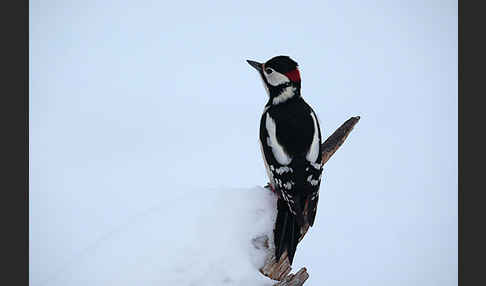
pixel 268 71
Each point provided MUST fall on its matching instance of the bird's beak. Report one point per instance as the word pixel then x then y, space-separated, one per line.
pixel 256 65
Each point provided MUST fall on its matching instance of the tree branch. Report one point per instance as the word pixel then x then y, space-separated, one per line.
pixel 279 270
pixel 337 138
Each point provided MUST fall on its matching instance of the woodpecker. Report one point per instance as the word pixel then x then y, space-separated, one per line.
pixel 290 141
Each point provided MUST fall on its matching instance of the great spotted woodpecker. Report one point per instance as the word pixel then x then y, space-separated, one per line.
pixel 290 140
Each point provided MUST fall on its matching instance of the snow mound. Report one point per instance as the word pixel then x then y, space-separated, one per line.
pixel 200 237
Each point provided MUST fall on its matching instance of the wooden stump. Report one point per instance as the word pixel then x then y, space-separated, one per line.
pixel 296 279
pixel 279 270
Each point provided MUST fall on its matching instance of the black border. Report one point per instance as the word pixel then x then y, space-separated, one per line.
pixel 15 142
pixel 471 142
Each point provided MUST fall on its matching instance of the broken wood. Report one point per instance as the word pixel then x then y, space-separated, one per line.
pixel 279 270
pixel 337 138
pixel 296 279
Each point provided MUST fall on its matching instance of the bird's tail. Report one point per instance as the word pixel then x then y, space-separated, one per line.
pixel 286 232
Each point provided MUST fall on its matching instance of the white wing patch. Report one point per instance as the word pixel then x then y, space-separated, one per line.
pixel 277 149
pixel 267 168
pixel 311 181
pixel 314 148
pixel 284 169
pixel 288 186
pixel 288 198
pixel 316 166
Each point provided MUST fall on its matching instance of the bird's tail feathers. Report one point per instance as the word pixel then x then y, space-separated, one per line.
pixel 286 232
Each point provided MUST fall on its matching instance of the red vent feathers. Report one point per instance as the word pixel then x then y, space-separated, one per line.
pixel 293 75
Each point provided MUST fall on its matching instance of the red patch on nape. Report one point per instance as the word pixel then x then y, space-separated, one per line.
pixel 293 75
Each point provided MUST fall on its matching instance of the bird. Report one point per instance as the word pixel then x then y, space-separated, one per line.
pixel 290 142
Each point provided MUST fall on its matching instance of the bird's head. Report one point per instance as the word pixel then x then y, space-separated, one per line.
pixel 281 78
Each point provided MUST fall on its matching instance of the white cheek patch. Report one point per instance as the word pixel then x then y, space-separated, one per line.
pixel 314 148
pixel 277 149
pixel 276 78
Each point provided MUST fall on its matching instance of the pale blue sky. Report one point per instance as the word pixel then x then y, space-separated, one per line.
pixel 132 100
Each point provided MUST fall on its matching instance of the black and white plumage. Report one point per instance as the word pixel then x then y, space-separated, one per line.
pixel 290 139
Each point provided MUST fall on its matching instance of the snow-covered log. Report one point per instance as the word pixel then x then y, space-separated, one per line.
pixel 279 270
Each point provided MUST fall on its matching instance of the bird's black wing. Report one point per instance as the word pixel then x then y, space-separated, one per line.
pixel 278 162
pixel 314 177
pixel 282 179
pixel 285 138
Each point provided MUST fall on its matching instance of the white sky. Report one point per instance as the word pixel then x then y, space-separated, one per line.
pixel 133 101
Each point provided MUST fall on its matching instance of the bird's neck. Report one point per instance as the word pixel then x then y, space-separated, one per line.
pixel 283 93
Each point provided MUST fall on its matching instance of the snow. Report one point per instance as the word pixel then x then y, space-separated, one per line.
pixel 204 237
